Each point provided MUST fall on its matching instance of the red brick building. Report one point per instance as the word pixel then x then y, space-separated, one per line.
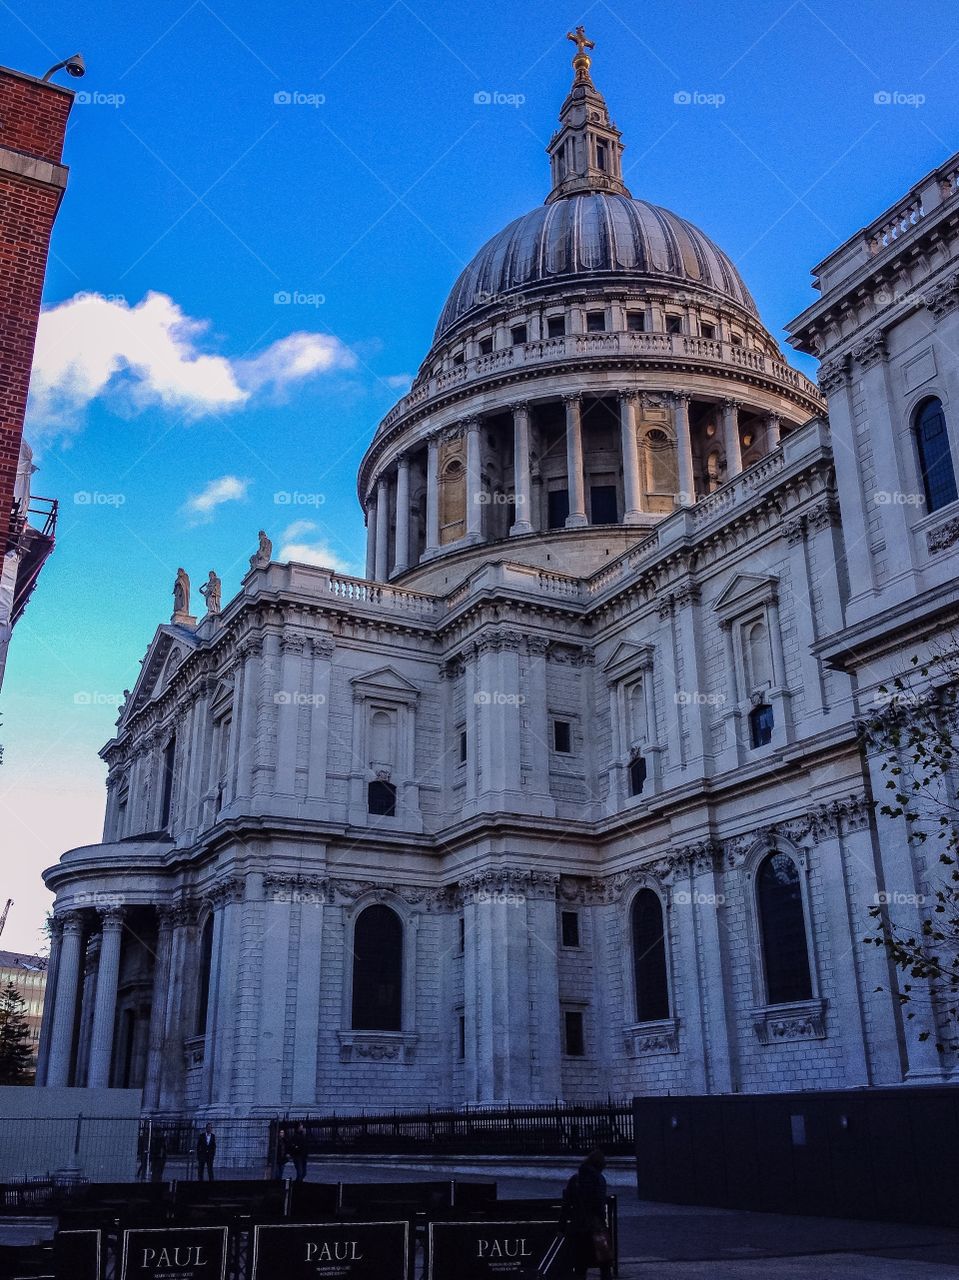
pixel 33 121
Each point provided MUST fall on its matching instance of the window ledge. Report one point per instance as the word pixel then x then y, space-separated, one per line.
pixel 801 1020
pixel 194 1049
pixel 377 1046
pixel 644 1038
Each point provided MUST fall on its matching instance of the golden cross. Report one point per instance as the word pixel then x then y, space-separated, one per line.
pixel 578 38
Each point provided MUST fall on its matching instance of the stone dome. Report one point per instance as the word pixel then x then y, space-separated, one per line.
pixel 590 235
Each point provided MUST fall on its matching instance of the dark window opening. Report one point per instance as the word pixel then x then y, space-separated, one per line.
pixel 169 755
pixel 637 776
pixel 381 799
pixel 783 927
pixel 462 932
pixel 570 928
pixel 602 504
pixel 485 346
pixel 562 736
pixel 674 324
pixel 378 970
pixel 518 334
pixel 761 721
pixel 595 321
pixel 935 456
pixel 555 326
pixel 459 358
pixel 736 339
pixel 557 501
pixel 575 1040
pixel 204 971
pixel 635 321
pixel 601 156
pixel 462 1038
pixel 708 330
pixel 649 958
pixel 462 746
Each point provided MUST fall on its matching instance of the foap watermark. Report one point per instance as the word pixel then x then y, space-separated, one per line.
pixel 293 697
pixel 301 897
pixel 298 298
pixel 93 498
pixel 495 898
pixel 898 98
pixel 894 498
pixel 497 698
pixel 496 98
pixel 894 898
pixel 297 98
pixel 696 698
pixel 97 98
pixel 100 899
pixel 91 698
pixel 499 499
pixel 94 295
pixel 683 898
pixel 698 98
pixel 883 698
pixel 298 498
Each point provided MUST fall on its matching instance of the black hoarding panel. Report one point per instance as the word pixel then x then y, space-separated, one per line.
pixel 333 1251
pixel 483 1250
pixel 78 1255
pixel 175 1253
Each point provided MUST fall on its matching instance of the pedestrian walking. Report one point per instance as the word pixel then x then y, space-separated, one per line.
pixel 157 1155
pixel 299 1150
pixel 282 1154
pixel 584 1218
pixel 205 1152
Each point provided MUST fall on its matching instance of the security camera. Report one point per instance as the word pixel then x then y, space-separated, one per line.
pixel 75 66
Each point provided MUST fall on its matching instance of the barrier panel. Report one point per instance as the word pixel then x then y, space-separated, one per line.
pixel 345 1250
pixel 78 1255
pixel 482 1250
pixel 186 1253
pixel 419 1197
pixel 313 1201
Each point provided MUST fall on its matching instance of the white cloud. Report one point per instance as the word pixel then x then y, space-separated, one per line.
pixel 399 381
pixel 150 354
pixel 297 530
pixel 316 551
pixel 201 507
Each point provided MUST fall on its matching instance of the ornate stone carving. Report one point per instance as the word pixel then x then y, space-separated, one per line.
pixel 377 1046
pixel 584 891
pixel 297 888
pixel 537 645
pixel 501 884
pixel 833 374
pixel 225 892
pixel 943 537
pixel 352 889
pixel 185 913
pixel 652 1037
pixel 944 297
pixel 871 350
pixel 293 642
pixel 824 515
pixel 322 646
pixel 794 530
pixel 498 639
pixel 803 1021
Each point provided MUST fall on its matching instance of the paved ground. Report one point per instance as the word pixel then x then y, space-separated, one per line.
pixel 669 1242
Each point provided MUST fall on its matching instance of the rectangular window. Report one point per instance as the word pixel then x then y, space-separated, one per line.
pixel 595 321
pixel 462 746
pixel 381 799
pixel 637 776
pixel 562 737
pixel 555 326
pixel 601 156
pixel 462 1045
pixel 558 508
pixel 462 932
pixel 636 321
pixel 485 346
pixel 761 722
pixel 518 334
pixel 674 324
pixel 602 504
pixel 575 1040
pixel 570 924
pixel 736 339
pixel 459 358
pixel 707 330
pixel 166 801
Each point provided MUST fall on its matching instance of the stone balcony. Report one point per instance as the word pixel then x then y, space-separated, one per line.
pixel 546 355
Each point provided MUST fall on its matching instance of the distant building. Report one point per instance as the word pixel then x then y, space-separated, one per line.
pixel 33 122
pixel 567 797
pixel 29 975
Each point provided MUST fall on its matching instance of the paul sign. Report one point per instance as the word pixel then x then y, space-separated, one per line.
pixel 174 1253
pixel 333 1251
pixel 477 1250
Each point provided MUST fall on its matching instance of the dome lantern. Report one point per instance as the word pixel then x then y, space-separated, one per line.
pixel 585 152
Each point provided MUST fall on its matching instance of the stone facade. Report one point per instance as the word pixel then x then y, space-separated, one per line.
pixel 547 805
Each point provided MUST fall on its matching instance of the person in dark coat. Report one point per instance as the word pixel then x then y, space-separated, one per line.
pixel 157 1155
pixel 298 1151
pixel 584 1216
pixel 282 1153
pixel 205 1152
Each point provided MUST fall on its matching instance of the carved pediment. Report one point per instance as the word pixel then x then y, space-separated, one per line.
pixel 627 658
pixel 743 592
pixel 385 682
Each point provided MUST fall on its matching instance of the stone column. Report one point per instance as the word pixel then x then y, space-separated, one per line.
pixel 243 735
pixel 158 1009
pixel 432 495
pixel 734 453
pixel 684 449
pixel 381 566
pixel 633 495
pixel 179 1004
pixel 575 479
pixel 65 1009
pixel 401 558
pixel 773 431
pixel 370 540
pixel 105 1006
pixel 292 645
pixel 50 1000
pixel 474 482
pixel 522 487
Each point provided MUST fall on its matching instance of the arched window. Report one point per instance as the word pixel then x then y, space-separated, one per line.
pixel 783 930
pixel 935 457
pixel 661 464
pixel 649 958
pixel 203 976
pixel 759 657
pixel 378 970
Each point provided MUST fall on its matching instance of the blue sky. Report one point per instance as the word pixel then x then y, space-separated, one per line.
pixel 366 193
